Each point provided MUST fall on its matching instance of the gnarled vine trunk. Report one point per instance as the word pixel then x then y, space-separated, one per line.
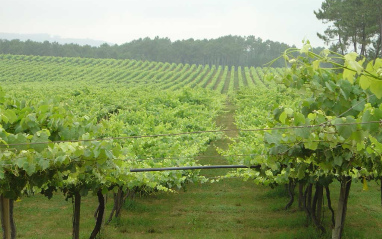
pixel 317 207
pixel 301 196
pixel 290 188
pixel 119 199
pixel 101 210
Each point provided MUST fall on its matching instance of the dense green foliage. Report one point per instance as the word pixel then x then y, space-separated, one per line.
pixel 94 114
pixel 329 132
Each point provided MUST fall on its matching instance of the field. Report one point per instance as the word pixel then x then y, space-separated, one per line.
pixel 148 115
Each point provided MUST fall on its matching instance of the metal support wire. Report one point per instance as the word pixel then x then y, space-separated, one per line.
pixel 137 170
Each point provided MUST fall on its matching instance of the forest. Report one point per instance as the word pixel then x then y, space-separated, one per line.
pixel 226 51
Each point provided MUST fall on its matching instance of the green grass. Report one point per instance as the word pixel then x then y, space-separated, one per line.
pixel 228 209
pixel 246 212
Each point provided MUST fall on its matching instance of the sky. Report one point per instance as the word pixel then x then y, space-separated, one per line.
pixel 120 21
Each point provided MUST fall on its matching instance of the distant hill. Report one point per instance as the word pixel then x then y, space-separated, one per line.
pixel 41 37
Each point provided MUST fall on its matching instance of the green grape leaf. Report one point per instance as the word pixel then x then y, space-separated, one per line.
pixel 18 139
pixel 40 138
pixel 109 154
pixel 367 117
pixel 377 64
pixel 357 105
pixel 96 152
pixel 350 61
pixel 273 138
pixel 305 48
pixel 312 116
pixel 299 119
pixel 30 168
pixel 338 160
pixel 349 75
pixel 283 117
pixel 328 166
pixel 67 133
pixel 43 108
pixel 301 171
pixel 311 145
pixel 60 159
pixel 11 116
pixel 2 174
pixel 378 145
pixel 4 118
pixel 289 111
pixel 2 94
pixel 376 88
pixel 346 89
pixel 365 82
pixel 303 132
pixel 330 85
pixel 343 128
pixel 352 56
pixel 316 64
pixel 43 163
pixel 21 161
pixel 360 146
pixel 105 190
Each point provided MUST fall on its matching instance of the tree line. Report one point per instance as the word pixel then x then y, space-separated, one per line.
pixel 355 25
pixel 226 51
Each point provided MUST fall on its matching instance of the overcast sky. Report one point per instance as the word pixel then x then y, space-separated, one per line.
pixel 120 21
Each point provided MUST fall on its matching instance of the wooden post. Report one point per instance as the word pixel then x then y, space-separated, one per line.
pixel 76 216
pixel 6 218
pixel 320 194
pixel 342 206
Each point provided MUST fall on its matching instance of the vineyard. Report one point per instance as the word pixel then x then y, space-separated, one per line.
pixel 77 127
pixel 129 74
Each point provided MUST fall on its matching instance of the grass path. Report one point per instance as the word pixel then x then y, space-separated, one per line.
pixel 230 208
